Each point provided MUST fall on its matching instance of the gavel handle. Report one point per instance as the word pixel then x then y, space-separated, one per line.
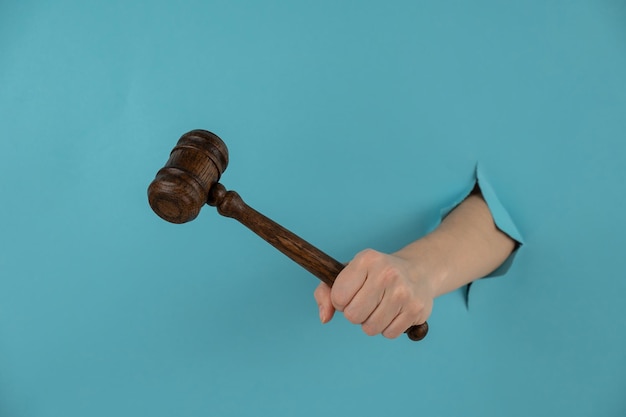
pixel 324 267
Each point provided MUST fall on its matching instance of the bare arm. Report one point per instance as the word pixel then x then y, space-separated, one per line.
pixel 467 245
pixel 388 293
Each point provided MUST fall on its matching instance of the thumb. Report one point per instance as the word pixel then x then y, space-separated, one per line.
pixel 322 296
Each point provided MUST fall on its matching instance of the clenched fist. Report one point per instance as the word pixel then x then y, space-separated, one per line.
pixel 383 293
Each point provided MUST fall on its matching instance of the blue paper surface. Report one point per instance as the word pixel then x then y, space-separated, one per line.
pixel 352 124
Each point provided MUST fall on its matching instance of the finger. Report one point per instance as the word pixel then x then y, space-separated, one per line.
pixel 347 284
pixel 380 278
pixel 322 297
pixel 409 316
pixel 322 293
pixel 399 325
pixel 365 301
pixel 384 314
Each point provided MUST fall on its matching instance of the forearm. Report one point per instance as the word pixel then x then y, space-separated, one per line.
pixel 466 246
pixel 389 293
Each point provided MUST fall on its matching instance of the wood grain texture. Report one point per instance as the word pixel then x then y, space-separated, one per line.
pixel 181 187
pixel 190 178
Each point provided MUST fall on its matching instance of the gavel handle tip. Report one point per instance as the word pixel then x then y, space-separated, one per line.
pixel 418 332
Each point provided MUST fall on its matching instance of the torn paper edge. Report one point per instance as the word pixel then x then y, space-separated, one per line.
pixel 500 215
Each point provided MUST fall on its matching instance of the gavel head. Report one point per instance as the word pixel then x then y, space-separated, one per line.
pixel 182 186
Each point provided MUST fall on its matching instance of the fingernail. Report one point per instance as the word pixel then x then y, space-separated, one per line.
pixel 322 315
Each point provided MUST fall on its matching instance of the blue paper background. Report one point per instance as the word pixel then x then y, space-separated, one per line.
pixel 351 123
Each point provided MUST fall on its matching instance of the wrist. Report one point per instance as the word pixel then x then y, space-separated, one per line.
pixel 428 263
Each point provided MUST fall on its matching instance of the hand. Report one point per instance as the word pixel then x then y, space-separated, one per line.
pixel 383 293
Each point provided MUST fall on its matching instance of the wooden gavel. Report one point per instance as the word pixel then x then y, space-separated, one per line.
pixel 190 179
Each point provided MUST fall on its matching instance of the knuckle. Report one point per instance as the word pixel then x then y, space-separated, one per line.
pixel 369 329
pixel 420 313
pixel 368 257
pixel 391 333
pixel 419 305
pixel 338 299
pixel 416 308
pixel 389 275
pixel 352 315
pixel 319 292
pixel 401 294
